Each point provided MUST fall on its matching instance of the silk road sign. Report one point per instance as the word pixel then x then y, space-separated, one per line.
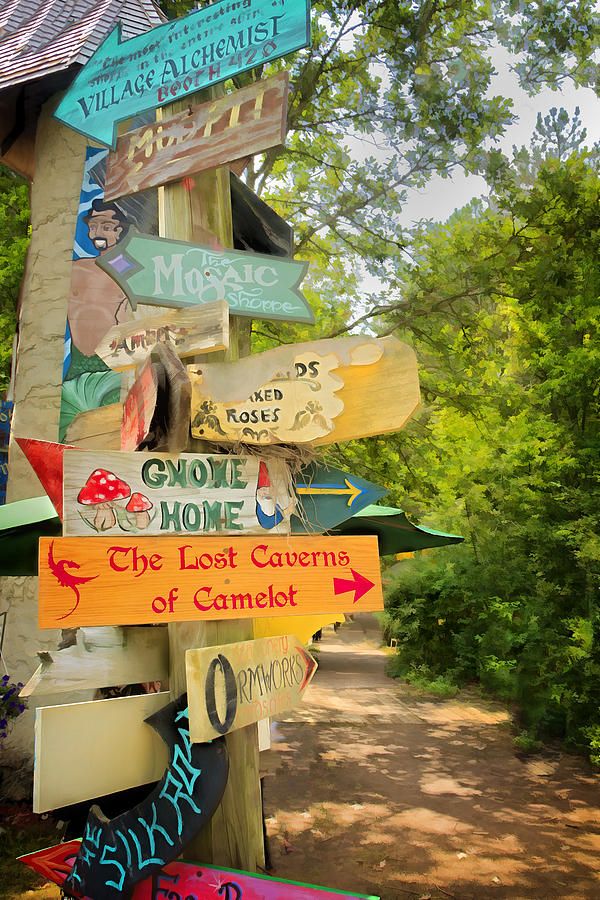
pixel 190 880
pixel 123 79
pixel 202 329
pixel 236 685
pixel 132 581
pixel 242 123
pixel 162 272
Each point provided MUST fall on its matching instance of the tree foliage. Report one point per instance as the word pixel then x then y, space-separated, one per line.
pixel 14 237
pixel 503 305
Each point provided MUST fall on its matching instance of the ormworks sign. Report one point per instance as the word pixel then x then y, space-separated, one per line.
pixel 235 685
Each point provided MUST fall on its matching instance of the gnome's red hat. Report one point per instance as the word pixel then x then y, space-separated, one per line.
pixel 263 476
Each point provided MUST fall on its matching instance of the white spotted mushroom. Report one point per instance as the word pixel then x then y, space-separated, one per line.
pixel 101 490
pixel 139 506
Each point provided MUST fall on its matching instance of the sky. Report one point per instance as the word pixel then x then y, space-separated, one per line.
pixel 442 196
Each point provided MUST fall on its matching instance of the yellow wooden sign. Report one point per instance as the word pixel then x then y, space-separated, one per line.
pixel 235 685
pixel 121 581
pixel 320 392
pixel 286 395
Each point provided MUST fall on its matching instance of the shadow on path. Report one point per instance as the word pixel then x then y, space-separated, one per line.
pixel 375 789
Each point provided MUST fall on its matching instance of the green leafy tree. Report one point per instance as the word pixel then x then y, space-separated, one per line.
pixel 506 307
pixel 14 238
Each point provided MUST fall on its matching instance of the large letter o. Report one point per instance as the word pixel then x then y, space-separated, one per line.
pixel 231 696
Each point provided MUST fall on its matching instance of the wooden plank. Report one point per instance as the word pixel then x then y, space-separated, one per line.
pixel 173 433
pixel 203 329
pixel 87 750
pixel 180 274
pixel 97 429
pixel 191 493
pixel 95 581
pixel 378 399
pixel 204 136
pixel 287 395
pixel 191 880
pixel 140 407
pixel 156 414
pixel 116 656
pixel 235 685
pixel 256 226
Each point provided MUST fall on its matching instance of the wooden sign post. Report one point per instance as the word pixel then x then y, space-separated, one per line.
pixel 238 684
pixel 143 580
pixel 234 836
pixel 242 123
pixel 180 274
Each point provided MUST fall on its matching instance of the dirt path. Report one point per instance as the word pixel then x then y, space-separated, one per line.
pixel 372 788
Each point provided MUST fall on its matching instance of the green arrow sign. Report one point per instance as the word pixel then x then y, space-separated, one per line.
pixel 217 42
pixel 329 497
pixel 177 274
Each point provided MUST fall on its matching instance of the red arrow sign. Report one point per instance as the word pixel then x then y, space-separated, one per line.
pixel 192 880
pixel 360 585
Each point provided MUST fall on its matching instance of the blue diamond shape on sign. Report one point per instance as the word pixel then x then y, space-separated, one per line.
pixel 121 264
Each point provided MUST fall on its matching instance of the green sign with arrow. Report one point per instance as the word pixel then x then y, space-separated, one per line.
pixel 212 44
pixel 161 272
pixel 328 497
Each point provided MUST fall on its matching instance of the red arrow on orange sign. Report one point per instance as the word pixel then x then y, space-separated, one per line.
pixel 360 585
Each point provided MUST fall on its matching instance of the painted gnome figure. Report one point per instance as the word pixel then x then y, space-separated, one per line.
pixel 268 510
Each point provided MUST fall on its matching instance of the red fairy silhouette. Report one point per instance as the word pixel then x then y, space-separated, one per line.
pixel 66 579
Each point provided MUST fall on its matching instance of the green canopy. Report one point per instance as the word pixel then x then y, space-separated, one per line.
pixel 24 522
pixel 21 525
pixel 396 534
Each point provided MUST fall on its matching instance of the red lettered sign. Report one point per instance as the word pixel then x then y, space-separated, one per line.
pixel 120 581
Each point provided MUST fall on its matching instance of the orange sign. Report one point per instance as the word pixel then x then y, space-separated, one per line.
pixel 120 581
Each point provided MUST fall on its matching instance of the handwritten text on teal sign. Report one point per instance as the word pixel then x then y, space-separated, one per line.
pixel 177 274
pixel 205 47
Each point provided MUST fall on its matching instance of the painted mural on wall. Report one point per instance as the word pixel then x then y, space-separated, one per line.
pixel 96 303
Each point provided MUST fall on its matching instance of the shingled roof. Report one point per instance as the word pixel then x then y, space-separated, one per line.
pixel 42 45
pixel 42 37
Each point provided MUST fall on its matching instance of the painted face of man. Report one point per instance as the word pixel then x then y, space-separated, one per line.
pixel 104 230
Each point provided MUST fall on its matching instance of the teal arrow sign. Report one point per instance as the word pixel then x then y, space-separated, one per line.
pixel 327 497
pixel 123 79
pixel 173 273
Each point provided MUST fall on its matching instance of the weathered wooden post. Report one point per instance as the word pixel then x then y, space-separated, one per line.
pixel 194 210
pixel 41 54
pixel 211 549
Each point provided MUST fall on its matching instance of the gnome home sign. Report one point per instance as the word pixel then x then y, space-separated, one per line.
pixel 116 492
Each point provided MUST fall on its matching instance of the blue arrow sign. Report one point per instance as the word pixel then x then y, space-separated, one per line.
pixel 329 496
pixel 123 79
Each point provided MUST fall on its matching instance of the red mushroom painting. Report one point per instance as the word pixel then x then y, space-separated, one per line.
pixel 139 506
pixel 101 490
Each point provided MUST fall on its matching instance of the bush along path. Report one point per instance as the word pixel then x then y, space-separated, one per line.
pixel 376 787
